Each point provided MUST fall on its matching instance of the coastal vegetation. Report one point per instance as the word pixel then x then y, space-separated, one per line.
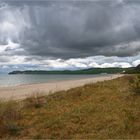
pixel 108 109
pixel 135 70
pixel 84 71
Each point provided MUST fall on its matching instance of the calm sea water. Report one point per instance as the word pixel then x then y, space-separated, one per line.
pixel 13 80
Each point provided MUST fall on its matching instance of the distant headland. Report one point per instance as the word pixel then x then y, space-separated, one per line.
pixel 83 71
pixel 135 70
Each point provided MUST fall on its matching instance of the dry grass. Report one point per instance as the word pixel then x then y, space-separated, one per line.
pixel 109 109
pixel 10 113
pixel 36 100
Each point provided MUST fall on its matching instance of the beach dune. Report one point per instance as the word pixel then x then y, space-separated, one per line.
pixel 22 91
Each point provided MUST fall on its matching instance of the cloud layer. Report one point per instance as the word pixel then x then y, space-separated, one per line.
pixel 40 31
pixel 18 63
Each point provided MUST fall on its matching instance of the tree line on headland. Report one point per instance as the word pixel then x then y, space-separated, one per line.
pixel 132 70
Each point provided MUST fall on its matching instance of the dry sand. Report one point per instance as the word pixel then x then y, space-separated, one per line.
pixel 22 91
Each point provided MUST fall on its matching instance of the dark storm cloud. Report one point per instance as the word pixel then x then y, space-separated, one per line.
pixel 72 29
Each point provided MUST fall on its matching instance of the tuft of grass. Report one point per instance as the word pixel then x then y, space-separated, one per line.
pixel 36 100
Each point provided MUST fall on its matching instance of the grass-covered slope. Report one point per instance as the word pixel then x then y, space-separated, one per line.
pixel 135 70
pixel 109 109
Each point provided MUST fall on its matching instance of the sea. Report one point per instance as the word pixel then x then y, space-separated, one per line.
pixel 23 79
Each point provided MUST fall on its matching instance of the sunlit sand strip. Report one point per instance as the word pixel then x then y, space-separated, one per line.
pixel 22 91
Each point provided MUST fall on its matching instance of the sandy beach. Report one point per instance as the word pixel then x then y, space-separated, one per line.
pixel 22 91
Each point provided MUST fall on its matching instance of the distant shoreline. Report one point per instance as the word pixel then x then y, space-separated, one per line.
pixel 22 91
pixel 111 70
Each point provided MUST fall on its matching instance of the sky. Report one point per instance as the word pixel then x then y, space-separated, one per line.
pixel 70 34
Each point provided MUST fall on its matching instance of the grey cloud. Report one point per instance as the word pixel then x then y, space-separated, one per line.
pixel 3 59
pixel 72 29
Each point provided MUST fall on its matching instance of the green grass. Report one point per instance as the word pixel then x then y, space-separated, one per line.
pixel 109 109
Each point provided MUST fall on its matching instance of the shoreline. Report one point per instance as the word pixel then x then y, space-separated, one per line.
pixel 54 81
pixel 23 91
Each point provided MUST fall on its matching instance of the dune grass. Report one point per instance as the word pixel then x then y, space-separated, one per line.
pixel 109 109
